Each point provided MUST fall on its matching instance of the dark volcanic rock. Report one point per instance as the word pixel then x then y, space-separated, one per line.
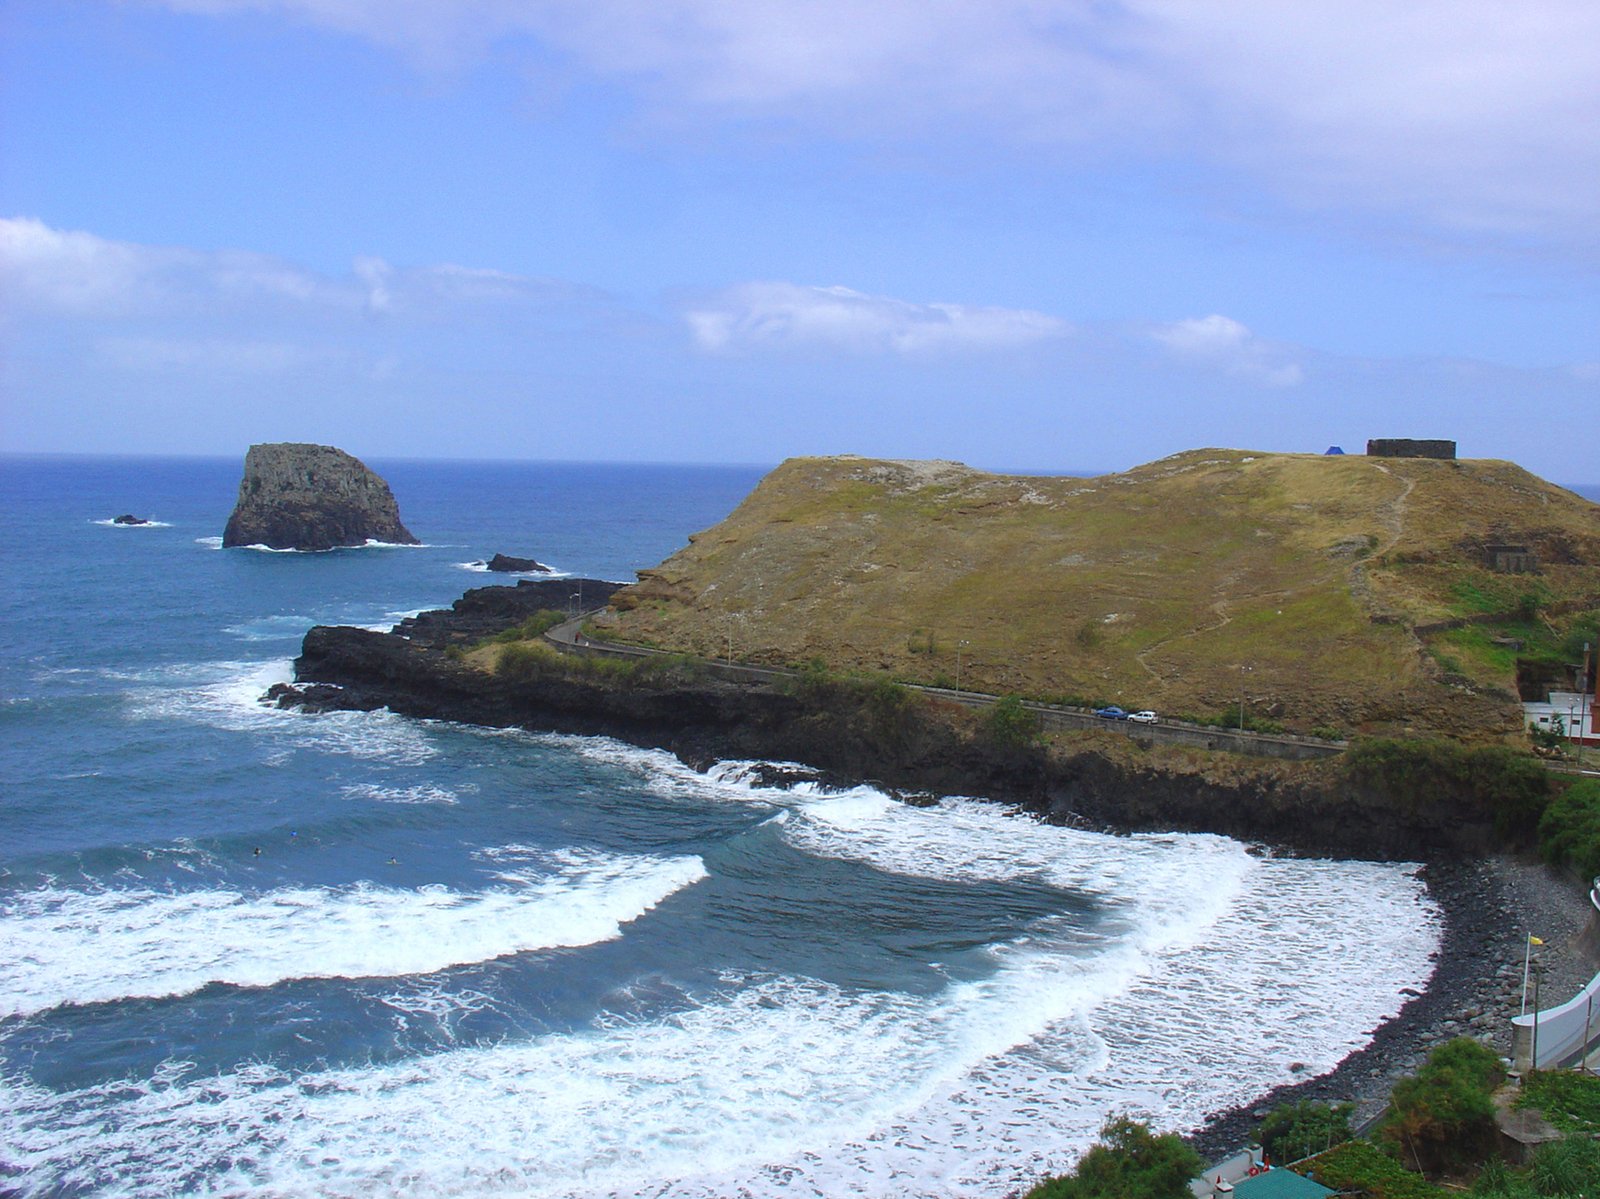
pixel 929 748
pixel 311 497
pixel 485 611
pixel 506 562
pixel 128 518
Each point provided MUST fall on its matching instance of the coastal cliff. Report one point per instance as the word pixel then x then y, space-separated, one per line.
pixel 849 731
pixel 296 496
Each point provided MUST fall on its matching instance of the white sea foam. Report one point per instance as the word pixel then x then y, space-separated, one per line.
pixel 228 695
pixel 784 1086
pixel 1206 974
pixel 143 524
pixel 369 544
pixel 214 543
pixel 70 946
pixel 420 793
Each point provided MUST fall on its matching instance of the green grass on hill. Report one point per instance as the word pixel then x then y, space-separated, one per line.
pixel 1300 578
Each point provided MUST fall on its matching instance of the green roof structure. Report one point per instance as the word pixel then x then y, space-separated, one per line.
pixel 1279 1184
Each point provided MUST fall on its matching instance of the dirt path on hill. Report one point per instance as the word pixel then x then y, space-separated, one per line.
pixel 1360 587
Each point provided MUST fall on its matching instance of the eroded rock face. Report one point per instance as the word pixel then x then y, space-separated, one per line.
pixel 296 496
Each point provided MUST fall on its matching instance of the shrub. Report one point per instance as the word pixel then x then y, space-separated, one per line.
pixel 1008 723
pixel 1507 785
pixel 1443 1115
pixel 1130 1162
pixel 1361 1166
pixel 1569 830
pixel 1302 1129
pixel 1229 719
pixel 527 660
pixel 534 626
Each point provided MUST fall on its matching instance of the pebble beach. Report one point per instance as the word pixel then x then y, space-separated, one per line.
pixel 1490 907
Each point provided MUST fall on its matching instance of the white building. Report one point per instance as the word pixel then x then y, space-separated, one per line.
pixel 1573 713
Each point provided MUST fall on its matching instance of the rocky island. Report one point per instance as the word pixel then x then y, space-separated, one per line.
pixel 296 496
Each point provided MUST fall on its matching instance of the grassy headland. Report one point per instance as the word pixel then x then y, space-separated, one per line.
pixel 1337 593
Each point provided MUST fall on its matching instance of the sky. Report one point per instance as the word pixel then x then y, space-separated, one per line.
pixel 1053 235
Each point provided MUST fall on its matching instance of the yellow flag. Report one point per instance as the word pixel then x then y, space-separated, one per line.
pixel 1535 940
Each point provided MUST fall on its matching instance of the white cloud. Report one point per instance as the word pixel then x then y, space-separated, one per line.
pixel 1223 342
pixel 1460 115
pixel 80 274
pixel 777 315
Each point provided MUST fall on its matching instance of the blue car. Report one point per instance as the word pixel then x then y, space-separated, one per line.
pixel 1112 713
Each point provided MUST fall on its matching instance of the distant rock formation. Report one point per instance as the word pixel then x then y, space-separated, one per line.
pixel 128 518
pixel 505 562
pixel 311 497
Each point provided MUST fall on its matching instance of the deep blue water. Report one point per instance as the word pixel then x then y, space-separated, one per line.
pixel 256 952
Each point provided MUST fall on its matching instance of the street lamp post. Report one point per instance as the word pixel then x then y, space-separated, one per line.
pixel 960 645
pixel 1585 712
pixel 1242 670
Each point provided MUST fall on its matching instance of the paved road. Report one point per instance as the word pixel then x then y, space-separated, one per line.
pixel 568 637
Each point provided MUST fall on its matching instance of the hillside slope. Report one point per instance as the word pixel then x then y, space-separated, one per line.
pixel 1323 588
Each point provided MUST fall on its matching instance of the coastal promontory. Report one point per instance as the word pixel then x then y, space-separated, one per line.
pixel 296 496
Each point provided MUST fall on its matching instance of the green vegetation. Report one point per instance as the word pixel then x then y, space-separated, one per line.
pixel 1569 831
pixel 1302 1129
pixel 1569 1100
pixel 1229 719
pixel 1008 723
pixel 533 660
pixel 1362 1167
pixel 891 712
pixel 1507 784
pixel 1567 1169
pixel 534 627
pixel 1441 1121
pixel 1443 1115
pixel 1130 1162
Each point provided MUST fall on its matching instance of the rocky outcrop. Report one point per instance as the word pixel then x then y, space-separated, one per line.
pixel 510 565
pixel 485 611
pixel 128 518
pixel 311 497
pixel 848 734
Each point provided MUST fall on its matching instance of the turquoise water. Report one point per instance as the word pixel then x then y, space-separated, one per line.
pixel 473 962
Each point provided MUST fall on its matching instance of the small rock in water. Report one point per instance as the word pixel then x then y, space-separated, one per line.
pixel 505 562
pixel 128 518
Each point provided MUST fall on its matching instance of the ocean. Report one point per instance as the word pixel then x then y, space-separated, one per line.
pixel 253 952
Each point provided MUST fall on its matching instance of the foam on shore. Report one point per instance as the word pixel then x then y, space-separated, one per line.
pixel 73 946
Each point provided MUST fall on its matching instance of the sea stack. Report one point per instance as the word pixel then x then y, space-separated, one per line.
pixel 311 497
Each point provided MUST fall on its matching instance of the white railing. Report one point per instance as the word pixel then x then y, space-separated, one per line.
pixel 1558 1037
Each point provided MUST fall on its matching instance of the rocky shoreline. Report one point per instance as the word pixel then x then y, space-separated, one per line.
pixel 1487 904
pixel 1488 907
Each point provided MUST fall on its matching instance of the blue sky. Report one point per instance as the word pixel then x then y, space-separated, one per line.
pixel 1047 234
